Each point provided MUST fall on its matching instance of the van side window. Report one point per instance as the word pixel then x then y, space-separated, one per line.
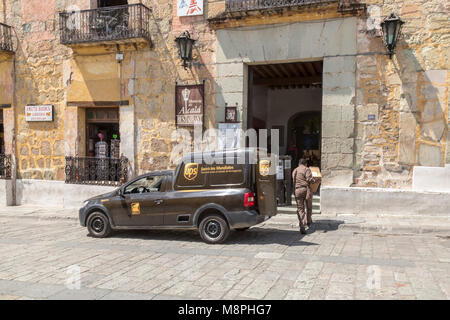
pixel 144 185
pixel 190 176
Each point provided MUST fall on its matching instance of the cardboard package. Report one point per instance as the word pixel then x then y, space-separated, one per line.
pixel 316 174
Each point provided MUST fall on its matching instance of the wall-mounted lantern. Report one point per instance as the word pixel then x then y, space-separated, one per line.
pixel 185 44
pixel 391 30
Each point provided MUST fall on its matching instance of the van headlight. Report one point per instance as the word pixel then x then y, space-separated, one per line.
pixel 85 203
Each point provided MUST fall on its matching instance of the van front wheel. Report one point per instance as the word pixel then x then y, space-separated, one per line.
pixel 214 229
pixel 98 225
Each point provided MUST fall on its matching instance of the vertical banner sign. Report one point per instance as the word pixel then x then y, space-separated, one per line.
pixel 189 105
pixel 186 8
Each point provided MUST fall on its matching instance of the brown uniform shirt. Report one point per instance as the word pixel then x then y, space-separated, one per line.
pixel 302 176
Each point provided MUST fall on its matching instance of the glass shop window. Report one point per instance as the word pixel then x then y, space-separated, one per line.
pixel 102 131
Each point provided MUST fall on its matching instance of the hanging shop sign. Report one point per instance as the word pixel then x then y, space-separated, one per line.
pixel 186 8
pixel 189 105
pixel 39 113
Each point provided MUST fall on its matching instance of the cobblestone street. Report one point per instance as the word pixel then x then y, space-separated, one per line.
pixel 38 256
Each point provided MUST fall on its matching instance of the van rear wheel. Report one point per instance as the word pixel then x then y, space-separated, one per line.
pixel 214 229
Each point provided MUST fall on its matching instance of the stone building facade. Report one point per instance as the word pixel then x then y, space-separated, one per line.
pixel 380 118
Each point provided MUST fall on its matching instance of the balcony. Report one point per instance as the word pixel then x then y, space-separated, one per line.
pixel 98 171
pixel 118 24
pixel 5 38
pixel 252 5
pixel 5 166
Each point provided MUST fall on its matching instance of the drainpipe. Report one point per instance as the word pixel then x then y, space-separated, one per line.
pixel 13 199
pixel 13 142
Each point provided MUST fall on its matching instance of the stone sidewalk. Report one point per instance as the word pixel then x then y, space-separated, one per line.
pixel 285 220
pixel 55 259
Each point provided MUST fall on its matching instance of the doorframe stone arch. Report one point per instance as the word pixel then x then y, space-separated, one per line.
pixel 334 42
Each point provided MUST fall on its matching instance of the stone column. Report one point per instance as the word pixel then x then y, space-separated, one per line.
pixel 128 137
pixel 9 131
pixel 71 131
pixel 231 89
pixel 338 120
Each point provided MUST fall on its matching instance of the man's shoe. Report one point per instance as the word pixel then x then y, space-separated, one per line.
pixel 302 230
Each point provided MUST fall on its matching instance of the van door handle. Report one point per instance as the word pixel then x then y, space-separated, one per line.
pixel 159 201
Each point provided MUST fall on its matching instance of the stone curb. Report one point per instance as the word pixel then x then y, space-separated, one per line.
pixel 34 216
pixel 338 224
pixel 396 229
pixel 361 227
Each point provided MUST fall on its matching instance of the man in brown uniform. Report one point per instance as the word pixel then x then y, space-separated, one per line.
pixel 302 177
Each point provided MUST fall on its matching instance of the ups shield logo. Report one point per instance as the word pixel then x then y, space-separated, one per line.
pixel 191 171
pixel 264 167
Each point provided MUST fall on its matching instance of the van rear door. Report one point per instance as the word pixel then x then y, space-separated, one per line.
pixel 266 186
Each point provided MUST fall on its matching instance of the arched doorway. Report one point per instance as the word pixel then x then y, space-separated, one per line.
pixel 304 137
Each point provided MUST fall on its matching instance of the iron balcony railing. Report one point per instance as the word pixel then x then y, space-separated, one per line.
pixel 102 171
pixel 105 24
pixel 5 38
pixel 244 5
pixel 248 5
pixel 5 166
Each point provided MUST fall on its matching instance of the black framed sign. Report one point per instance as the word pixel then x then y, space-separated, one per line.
pixel 230 114
pixel 189 105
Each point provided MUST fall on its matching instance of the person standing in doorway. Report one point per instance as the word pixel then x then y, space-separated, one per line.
pixel 302 177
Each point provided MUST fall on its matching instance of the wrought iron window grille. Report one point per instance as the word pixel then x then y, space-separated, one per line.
pixel 105 24
pixel 5 166
pixel 98 171
pixel 5 38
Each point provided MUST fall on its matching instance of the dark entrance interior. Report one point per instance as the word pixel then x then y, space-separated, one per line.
pixel 288 97
pixel 305 128
pixel 105 122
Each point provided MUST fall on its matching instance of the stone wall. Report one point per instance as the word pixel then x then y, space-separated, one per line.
pixel 381 117
pixel 158 71
pixel 402 104
pixel 47 72
pixel 39 58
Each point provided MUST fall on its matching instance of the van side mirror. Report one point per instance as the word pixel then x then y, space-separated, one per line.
pixel 123 195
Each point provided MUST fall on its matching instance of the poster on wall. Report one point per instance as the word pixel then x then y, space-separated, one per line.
pixel 189 105
pixel 229 136
pixel 39 113
pixel 187 8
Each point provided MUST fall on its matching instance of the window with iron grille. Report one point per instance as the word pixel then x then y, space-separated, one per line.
pixel 5 38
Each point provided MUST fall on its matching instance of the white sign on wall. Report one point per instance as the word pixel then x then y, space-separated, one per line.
pixel 39 113
pixel 186 8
